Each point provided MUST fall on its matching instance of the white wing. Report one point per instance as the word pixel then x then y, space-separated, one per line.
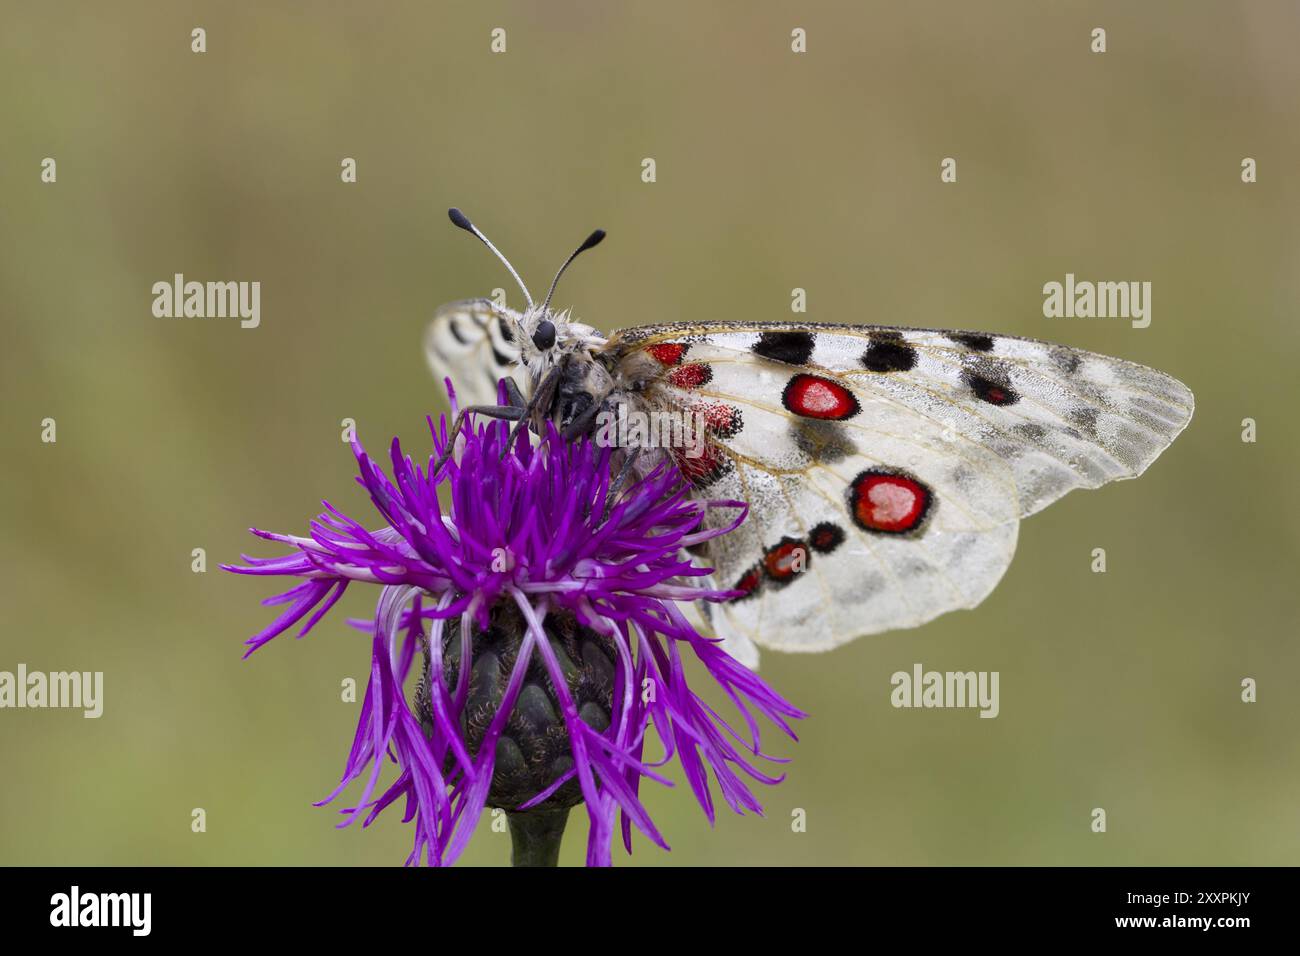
pixel 471 342
pixel 893 465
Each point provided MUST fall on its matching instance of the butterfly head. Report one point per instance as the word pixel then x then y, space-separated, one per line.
pixel 544 336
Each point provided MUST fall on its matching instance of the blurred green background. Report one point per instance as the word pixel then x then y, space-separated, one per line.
pixel 775 170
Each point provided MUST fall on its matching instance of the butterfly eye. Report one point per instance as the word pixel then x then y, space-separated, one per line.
pixel 544 337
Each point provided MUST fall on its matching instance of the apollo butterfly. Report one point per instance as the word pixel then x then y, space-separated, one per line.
pixel 886 468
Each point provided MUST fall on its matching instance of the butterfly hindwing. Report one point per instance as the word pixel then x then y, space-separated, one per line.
pixel 817 578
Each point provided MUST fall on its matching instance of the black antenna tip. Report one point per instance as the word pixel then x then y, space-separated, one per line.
pixel 460 219
pixel 592 241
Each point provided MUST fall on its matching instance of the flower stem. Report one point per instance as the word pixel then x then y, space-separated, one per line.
pixel 535 837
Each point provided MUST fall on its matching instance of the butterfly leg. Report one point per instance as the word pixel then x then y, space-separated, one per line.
pixel 542 400
pixel 624 471
pixel 581 425
pixel 514 397
pixel 506 413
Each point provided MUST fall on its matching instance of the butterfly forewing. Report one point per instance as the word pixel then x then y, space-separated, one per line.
pixel 472 343
pixel 887 468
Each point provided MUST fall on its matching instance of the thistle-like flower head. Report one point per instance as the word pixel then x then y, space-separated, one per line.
pixel 548 616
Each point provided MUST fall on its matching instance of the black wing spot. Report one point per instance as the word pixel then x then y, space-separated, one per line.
pixel 888 353
pixel 972 340
pixel 826 537
pixel 992 391
pixel 504 328
pixel 792 348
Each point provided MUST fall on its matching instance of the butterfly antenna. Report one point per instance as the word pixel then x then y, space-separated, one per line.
pixel 590 242
pixel 460 219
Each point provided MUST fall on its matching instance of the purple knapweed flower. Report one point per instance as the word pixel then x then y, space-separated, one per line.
pixel 554 639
